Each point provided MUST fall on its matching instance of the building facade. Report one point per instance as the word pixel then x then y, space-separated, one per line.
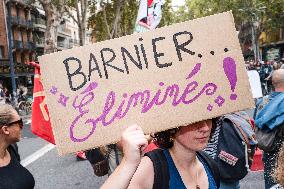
pixel 23 25
pixel 19 47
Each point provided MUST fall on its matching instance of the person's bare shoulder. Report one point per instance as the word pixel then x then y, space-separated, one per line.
pixel 144 175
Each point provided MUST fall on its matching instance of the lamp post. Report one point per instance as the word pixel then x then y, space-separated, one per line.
pixel 10 47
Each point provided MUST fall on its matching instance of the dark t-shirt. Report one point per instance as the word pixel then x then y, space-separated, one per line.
pixel 15 176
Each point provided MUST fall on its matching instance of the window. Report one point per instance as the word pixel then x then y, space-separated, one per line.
pixel 1 52
pixel 20 36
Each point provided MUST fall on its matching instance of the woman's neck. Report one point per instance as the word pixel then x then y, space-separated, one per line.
pixel 3 150
pixel 182 156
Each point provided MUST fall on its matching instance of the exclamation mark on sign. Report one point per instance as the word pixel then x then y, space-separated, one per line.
pixel 229 67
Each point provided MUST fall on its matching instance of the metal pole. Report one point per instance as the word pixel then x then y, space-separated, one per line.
pixel 253 42
pixel 11 61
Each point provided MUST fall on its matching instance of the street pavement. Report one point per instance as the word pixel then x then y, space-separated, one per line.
pixel 52 171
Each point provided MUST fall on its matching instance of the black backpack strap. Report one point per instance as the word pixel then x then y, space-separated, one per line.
pixel 161 172
pixel 116 155
pixel 212 165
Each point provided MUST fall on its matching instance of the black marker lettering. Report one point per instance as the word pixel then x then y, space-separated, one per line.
pixel 138 63
pixel 143 52
pixel 93 59
pixel 77 72
pixel 106 62
pixel 180 47
pixel 157 55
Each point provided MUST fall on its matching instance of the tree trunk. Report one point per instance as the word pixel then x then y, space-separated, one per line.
pixel 53 18
pixel 81 14
pixel 117 17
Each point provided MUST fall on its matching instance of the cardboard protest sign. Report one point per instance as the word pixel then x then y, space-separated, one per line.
pixel 161 79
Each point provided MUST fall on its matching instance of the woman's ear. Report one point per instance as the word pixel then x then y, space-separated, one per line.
pixel 4 129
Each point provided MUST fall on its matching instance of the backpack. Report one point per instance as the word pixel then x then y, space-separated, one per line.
pixel 161 171
pixel 268 140
pixel 236 146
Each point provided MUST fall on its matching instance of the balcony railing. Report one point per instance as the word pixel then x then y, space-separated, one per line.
pixel 21 68
pixel 39 42
pixel 61 44
pixel 39 21
pixel 74 41
pixel 64 29
pixel 29 46
pixel 17 45
pixel 21 2
pixel 14 20
pixel 4 66
pixel 4 62
pixel 17 21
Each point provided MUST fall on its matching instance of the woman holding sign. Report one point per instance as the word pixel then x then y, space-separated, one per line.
pixel 180 163
pixel 133 142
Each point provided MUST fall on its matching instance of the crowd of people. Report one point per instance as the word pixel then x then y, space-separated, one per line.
pixel 214 153
pixel 265 70
pixel 6 95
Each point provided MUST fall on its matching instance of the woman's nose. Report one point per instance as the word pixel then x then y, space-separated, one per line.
pixel 205 126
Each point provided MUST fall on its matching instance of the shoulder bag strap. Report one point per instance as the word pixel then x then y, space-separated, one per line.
pixel 161 172
pixel 212 165
pixel 116 155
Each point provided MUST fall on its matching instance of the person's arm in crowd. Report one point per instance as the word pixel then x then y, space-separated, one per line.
pixel 133 143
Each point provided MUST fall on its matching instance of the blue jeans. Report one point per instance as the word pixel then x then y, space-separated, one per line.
pixel 230 185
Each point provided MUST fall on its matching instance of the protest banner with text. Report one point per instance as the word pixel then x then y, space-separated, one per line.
pixel 161 79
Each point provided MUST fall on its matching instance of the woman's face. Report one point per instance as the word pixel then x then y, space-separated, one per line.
pixel 15 128
pixel 194 136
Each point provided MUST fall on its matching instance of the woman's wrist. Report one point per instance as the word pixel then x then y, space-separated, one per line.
pixel 129 165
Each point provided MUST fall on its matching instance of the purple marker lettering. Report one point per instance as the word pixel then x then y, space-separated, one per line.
pixel 229 66
pixel 142 98
pixel 209 89
pixel 87 98
pixel 53 90
pixel 134 100
pixel 189 88
pixel 72 127
pixel 63 100
pixel 110 100
pixel 209 107
pixel 118 113
pixel 91 87
pixel 219 101
pixel 194 71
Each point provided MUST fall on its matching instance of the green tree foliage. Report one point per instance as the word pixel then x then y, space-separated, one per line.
pixel 266 14
pixel 102 21
pixel 167 15
pixel 101 24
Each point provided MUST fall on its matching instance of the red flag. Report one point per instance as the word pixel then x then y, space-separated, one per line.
pixel 41 125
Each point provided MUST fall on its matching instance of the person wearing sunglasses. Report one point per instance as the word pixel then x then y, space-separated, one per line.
pixel 12 173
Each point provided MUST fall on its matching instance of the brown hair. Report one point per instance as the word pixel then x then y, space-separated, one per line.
pixel 6 114
pixel 165 139
pixel 279 171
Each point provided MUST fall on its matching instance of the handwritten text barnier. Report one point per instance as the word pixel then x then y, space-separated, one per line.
pixel 108 56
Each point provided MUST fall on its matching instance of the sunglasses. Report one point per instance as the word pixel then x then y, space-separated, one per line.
pixel 18 122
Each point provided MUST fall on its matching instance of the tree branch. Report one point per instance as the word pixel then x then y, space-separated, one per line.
pixel 116 18
pixel 105 20
pixel 70 14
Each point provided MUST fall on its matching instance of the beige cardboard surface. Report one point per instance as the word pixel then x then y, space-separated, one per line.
pixel 162 79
